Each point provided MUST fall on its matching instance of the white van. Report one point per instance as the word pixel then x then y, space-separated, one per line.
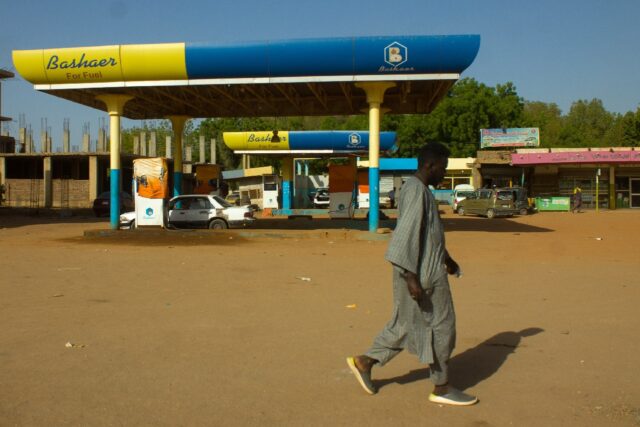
pixel 460 192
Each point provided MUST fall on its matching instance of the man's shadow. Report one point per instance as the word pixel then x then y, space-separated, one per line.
pixel 475 364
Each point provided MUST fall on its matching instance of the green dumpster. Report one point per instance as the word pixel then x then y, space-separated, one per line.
pixel 553 204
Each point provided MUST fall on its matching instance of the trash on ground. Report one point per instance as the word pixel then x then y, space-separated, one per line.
pixel 71 345
pixel 351 306
pixel 304 279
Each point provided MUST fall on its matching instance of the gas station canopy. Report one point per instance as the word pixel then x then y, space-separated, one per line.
pixel 302 143
pixel 307 77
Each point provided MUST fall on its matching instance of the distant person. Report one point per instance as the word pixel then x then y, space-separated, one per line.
pixel 392 198
pixel 577 200
pixel 423 320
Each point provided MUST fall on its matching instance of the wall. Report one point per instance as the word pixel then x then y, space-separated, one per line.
pixel 67 193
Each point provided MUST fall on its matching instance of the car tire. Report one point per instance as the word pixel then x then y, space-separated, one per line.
pixel 132 225
pixel 491 213
pixel 460 211
pixel 524 211
pixel 218 224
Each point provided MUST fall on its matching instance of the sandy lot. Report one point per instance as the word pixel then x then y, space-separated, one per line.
pixel 202 331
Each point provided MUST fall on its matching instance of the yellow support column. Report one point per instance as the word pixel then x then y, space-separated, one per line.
pixel 375 95
pixel 115 107
pixel 177 122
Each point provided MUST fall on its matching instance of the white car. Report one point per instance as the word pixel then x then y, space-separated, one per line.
pixel 199 211
pixel 206 211
pixel 461 192
pixel 128 220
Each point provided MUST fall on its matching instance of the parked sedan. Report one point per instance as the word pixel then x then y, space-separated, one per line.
pixel 206 211
pixel 102 204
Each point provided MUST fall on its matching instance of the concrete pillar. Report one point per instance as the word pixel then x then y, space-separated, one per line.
pixel 85 142
pixel 49 144
pixel 43 142
pixel 3 171
pixel 66 141
pixel 30 142
pixel 102 140
pixel 202 157
pixel 93 178
pixel 22 137
pixel 375 95
pixel 213 151
pixel 143 143
pixel 612 187
pixel 306 168
pixel 48 185
pixel 188 153
pixel 167 147
pixel 115 106
pixel 476 177
pixel 287 182
pixel 152 144
pixel 177 122
pixel 136 145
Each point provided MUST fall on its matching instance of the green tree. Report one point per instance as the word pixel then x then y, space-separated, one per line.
pixel 630 124
pixel 586 124
pixel 546 117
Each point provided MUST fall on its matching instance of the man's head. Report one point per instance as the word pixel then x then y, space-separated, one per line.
pixel 432 162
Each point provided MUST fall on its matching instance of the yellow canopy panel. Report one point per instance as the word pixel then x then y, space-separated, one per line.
pixel 102 63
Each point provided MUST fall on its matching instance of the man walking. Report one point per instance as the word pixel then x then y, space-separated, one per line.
pixel 423 319
pixel 577 199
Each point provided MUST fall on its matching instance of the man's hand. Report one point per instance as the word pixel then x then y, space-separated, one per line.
pixel 413 285
pixel 452 266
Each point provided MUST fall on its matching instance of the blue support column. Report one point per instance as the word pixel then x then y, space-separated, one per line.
pixel 374 198
pixel 114 212
pixel 286 195
pixel 115 105
pixel 287 183
pixel 177 183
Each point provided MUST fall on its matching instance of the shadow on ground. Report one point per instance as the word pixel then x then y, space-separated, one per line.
pixel 497 225
pixel 20 217
pixel 474 365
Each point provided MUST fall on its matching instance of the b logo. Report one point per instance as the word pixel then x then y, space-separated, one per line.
pixel 395 54
pixel 354 139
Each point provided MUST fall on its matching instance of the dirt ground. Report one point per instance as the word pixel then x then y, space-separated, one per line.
pixel 215 329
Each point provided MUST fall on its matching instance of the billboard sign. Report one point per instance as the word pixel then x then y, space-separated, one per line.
pixel 509 137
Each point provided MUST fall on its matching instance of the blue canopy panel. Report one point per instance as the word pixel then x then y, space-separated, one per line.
pixel 333 56
pixel 399 164
pixel 338 140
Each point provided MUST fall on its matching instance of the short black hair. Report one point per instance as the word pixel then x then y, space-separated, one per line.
pixel 432 152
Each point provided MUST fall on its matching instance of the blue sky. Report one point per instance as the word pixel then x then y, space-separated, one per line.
pixel 553 50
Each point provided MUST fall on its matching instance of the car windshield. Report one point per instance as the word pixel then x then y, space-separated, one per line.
pixel 505 195
pixel 464 193
pixel 222 202
pixel 323 192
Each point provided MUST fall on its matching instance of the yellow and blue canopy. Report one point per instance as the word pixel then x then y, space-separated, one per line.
pixel 386 55
pixel 300 141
